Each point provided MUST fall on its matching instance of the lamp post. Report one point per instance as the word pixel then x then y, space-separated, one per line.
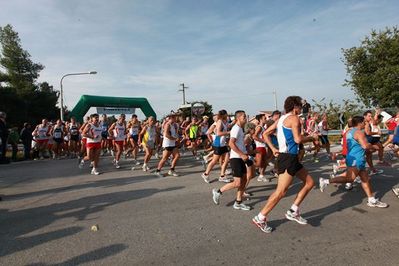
pixel 62 92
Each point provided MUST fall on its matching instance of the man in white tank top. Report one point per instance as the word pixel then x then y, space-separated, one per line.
pixel 42 135
pixel 92 132
pixel 118 131
pixel 289 137
pixel 170 136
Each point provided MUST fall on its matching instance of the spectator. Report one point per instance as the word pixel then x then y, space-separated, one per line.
pixel 306 109
pixel 3 138
pixel 26 138
pixel 13 140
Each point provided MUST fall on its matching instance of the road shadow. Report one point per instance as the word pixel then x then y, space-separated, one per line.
pixel 15 224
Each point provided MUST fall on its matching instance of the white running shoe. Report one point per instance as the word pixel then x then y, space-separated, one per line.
pixel 395 191
pixel 216 196
pixel 172 173
pixel 91 164
pixel 335 168
pixel 262 225
pixel 205 177
pixel 241 206
pixel 376 172
pixel 358 180
pixel 82 164
pixel 322 184
pixel 224 179
pixel 94 171
pixel 145 168
pixel 117 166
pixel 377 203
pixel 158 173
pixel 292 216
pixel 348 186
pixel 112 153
pixel 262 178
pixel 137 162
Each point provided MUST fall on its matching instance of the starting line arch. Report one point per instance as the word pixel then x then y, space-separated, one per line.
pixel 88 101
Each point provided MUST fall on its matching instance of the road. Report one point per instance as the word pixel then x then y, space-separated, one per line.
pixel 49 207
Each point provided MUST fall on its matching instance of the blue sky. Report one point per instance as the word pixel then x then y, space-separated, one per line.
pixel 230 53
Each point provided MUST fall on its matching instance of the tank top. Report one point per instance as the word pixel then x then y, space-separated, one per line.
pixel 57 134
pixel 285 137
pixel 42 132
pixel 321 130
pixel 260 135
pixel 104 126
pixel 355 150
pixel 311 126
pixel 220 141
pixel 374 131
pixel 134 130
pixel 168 142
pixel 119 132
pixel 73 129
pixel 96 133
pixel 193 131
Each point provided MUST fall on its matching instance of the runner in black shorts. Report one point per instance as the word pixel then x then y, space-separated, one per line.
pixel 239 161
pixel 289 136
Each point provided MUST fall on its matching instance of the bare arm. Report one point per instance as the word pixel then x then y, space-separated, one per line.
pixel 266 137
pixel 111 129
pixel 367 129
pixel 219 131
pixel 255 136
pixel 167 132
pixel 361 138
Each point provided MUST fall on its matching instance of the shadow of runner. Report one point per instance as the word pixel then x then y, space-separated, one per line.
pixel 94 255
pixel 15 224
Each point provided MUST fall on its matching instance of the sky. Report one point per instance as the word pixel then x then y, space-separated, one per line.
pixel 231 53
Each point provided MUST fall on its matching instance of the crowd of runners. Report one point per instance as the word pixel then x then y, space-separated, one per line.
pixel 270 146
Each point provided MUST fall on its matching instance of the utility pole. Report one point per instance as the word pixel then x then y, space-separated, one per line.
pixel 183 89
pixel 275 99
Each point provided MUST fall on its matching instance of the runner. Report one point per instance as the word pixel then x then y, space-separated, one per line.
pixel 118 131
pixel 311 129
pixel 191 132
pixel 220 149
pixel 204 126
pixel 356 163
pixel 368 119
pixel 106 143
pixel 260 158
pixel 57 133
pixel 239 160
pixel 170 136
pixel 42 134
pixel 92 132
pixel 147 138
pixel 83 148
pixel 73 131
pixel 134 130
pixel 323 134
pixel 289 136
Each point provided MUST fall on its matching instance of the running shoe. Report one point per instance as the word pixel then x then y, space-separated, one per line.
pixel 358 180
pixel 292 216
pixel 216 196
pixel 205 177
pixel 117 166
pixel 262 225
pixel 262 178
pixel 348 186
pixel 241 206
pixel 91 164
pixel 133 168
pixel 81 164
pixel 273 173
pixel 316 160
pixel 395 191
pixel 156 156
pixel 136 162
pixel 224 179
pixel 94 171
pixel 172 173
pixel 377 203
pixel 145 168
pixel 203 163
pixel 322 183
pixel 335 168
pixel 158 173
pixel 376 172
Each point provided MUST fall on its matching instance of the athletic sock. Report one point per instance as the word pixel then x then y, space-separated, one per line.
pixel 172 168
pixel 158 170
pixel 261 217
pixel 372 199
pixel 294 208
pixel 238 201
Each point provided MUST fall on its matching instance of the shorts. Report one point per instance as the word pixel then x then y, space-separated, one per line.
pixel 324 139
pixel 59 140
pixel 169 148
pixel 204 137
pixel 41 141
pixel 373 140
pixel 84 141
pixel 135 138
pixel 75 138
pixel 391 132
pixel 220 150
pixel 238 167
pixel 359 163
pixel 288 162
pixel 95 145
pixel 261 150
pixel 119 142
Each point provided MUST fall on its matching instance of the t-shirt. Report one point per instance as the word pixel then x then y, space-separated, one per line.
pixel 237 133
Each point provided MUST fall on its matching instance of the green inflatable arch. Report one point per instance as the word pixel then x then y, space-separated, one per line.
pixel 87 101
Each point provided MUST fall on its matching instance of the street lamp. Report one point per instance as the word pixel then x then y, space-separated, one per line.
pixel 62 92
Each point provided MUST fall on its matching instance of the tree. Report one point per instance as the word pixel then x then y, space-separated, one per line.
pixel 20 95
pixel 348 108
pixel 373 68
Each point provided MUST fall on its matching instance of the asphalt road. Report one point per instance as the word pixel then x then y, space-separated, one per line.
pixel 49 207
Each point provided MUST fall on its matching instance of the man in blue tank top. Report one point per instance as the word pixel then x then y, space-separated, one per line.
pixel 289 137
pixel 357 145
